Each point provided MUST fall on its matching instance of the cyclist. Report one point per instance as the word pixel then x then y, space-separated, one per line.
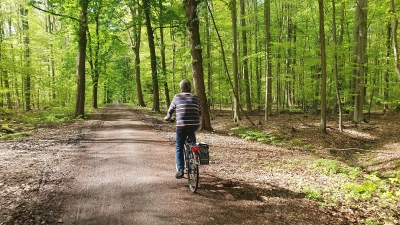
pixel 188 112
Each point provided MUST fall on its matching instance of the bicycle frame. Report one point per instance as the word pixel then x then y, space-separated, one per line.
pixel 191 155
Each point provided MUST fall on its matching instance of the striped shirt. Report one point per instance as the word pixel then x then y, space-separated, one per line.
pixel 188 111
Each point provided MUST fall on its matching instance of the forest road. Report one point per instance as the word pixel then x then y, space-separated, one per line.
pixel 127 176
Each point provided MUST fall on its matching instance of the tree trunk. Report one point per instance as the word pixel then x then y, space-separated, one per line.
pixel 135 42
pixel 27 76
pixel 268 65
pixel 94 61
pixel 245 60
pixel 4 71
pixel 51 67
pixel 197 60
pixel 394 37
pixel 80 64
pixel 386 74
pixel 236 114
pixel 335 65
pixel 150 36
pixel 361 35
pixel 163 65
pixel 210 99
pixel 323 66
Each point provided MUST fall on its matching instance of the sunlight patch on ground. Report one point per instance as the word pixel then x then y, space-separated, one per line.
pixel 358 134
pixel 392 146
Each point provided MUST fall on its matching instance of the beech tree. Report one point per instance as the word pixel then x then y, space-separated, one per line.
pixel 153 58
pixel 323 65
pixel 394 37
pixel 360 44
pixel 192 25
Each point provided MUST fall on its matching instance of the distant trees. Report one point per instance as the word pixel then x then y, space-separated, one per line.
pixel 273 53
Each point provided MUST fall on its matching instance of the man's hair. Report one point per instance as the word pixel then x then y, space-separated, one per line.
pixel 185 85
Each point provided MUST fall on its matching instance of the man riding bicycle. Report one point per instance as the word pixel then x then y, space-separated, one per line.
pixel 188 111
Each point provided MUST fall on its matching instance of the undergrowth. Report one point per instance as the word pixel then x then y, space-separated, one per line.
pixel 16 123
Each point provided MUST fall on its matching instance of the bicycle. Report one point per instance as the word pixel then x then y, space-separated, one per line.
pixel 195 154
pixel 192 161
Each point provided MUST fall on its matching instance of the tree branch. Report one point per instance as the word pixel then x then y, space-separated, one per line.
pixel 54 13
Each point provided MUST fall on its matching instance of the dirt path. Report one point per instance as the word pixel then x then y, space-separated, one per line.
pixel 126 176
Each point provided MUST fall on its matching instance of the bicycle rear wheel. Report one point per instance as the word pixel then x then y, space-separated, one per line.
pixel 193 175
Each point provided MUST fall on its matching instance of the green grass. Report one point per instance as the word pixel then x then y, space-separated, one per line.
pixel 313 194
pixel 17 124
pixel 256 135
pixel 15 135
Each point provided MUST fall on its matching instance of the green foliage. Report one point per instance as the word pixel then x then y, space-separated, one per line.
pixel 14 136
pixel 361 191
pixel 256 135
pixel 331 167
pixel 313 194
pixel 371 221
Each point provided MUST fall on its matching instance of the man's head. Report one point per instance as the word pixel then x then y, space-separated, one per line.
pixel 185 85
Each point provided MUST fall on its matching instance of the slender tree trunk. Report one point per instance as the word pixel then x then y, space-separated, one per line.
pixel 4 71
pixel 258 72
pixel 96 64
pixel 153 59
pixel 210 99
pixel 80 64
pixel 323 66
pixel 27 77
pixel 172 35
pixel 361 35
pixel 94 60
pixel 268 65
pixel 335 65
pixel 245 60
pixel 236 114
pixel 135 39
pixel 386 74
pixel 162 48
pixel 395 42
pixel 52 71
pixel 192 25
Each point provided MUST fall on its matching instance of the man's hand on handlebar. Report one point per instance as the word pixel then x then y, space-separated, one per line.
pixel 169 119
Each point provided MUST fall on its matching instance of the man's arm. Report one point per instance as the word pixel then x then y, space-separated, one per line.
pixel 170 111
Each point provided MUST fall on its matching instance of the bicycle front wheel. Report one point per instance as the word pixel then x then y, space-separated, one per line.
pixel 193 175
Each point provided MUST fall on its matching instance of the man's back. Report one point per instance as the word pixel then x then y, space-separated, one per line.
pixel 188 110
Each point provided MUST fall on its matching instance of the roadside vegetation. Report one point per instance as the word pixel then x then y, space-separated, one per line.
pixel 356 172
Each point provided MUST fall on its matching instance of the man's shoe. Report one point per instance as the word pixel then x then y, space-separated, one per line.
pixel 179 174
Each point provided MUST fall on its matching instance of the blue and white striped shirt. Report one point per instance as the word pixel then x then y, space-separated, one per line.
pixel 188 111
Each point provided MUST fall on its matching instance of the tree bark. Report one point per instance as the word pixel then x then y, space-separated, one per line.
pixel 153 59
pixel 27 77
pixel 163 64
pixel 386 74
pixel 210 99
pixel 323 66
pixel 4 71
pixel 335 66
pixel 80 64
pixel 268 64
pixel 360 33
pixel 135 41
pixel 394 39
pixel 245 60
pixel 94 61
pixel 192 25
pixel 236 114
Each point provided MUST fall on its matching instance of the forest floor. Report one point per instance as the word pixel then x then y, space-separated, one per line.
pixel 280 169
